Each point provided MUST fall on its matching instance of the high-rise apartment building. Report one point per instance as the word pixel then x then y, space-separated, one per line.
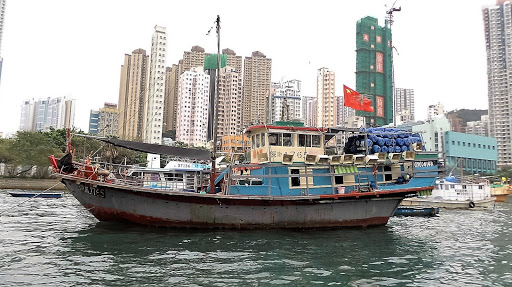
pixel 2 16
pixel 257 79
pixel 154 108
pixel 27 121
pixel 94 122
pixel 374 70
pixel 326 105
pixel 104 122
pixel 311 112
pixel 43 114
pixel 191 59
pixel 343 113
pixel 233 61
pixel 498 40
pixel 192 112
pixel 132 92
pixel 404 105
pixel 229 118
pixel 287 102
pixel 479 128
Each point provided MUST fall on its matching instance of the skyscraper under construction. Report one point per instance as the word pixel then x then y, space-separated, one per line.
pixel 374 77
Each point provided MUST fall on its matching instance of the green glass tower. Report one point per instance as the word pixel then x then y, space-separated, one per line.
pixel 374 77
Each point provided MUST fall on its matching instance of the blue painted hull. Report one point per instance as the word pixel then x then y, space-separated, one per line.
pixel 416 211
pixel 42 195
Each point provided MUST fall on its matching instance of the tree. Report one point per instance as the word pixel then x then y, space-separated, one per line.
pixel 32 149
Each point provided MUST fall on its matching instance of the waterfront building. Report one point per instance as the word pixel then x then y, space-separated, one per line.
pixel 256 86
pixel 374 70
pixel 43 114
pixel 105 121
pixel 480 128
pixel 326 107
pixel 475 154
pixel 233 144
pixel 404 105
pixel 432 133
pixel 132 91
pixel 498 40
pixel 193 104
pixel 2 16
pixel 154 99
pixel 287 101
pixel 435 111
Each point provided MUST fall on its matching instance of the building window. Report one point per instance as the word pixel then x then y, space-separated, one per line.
pixel 458 143
pixel 453 142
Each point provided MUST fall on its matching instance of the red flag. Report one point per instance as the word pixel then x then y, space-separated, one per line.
pixel 354 100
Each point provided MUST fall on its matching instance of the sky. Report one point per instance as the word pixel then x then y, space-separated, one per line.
pixel 56 48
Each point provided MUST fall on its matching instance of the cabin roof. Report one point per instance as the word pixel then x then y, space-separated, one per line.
pixel 291 128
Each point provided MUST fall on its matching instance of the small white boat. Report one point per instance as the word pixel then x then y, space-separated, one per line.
pixel 452 195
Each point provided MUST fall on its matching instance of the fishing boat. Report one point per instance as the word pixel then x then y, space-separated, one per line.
pixel 290 181
pixel 456 195
pixel 35 194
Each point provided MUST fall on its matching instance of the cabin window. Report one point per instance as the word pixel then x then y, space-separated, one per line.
pixel 263 140
pixel 452 185
pixel 315 141
pixel 302 140
pixel 287 139
pixel 253 141
pixel 387 176
pixel 274 139
pixel 295 181
pixel 464 186
pixel 480 187
pixel 135 174
pixel 446 187
pixel 169 176
pixel 258 140
pixel 338 179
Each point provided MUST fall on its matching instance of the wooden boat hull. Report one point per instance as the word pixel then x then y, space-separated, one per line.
pixel 449 204
pixel 114 202
pixel 32 194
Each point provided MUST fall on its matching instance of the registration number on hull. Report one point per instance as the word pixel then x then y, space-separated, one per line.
pixel 96 191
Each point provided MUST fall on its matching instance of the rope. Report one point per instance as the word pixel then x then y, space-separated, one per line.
pixel 8 209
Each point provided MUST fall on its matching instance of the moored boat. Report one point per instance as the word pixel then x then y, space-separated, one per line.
pixel 416 211
pixel 35 194
pixel 500 190
pixel 453 195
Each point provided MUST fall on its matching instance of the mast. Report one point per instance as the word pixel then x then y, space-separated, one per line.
pixel 215 122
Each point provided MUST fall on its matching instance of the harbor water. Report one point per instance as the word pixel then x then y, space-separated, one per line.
pixel 56 242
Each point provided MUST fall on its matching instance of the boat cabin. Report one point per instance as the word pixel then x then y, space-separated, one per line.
pixel 286 143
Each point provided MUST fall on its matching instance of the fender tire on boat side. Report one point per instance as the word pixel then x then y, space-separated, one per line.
pixel 471 204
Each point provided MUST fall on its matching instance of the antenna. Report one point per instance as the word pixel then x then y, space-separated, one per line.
pixel 390 21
